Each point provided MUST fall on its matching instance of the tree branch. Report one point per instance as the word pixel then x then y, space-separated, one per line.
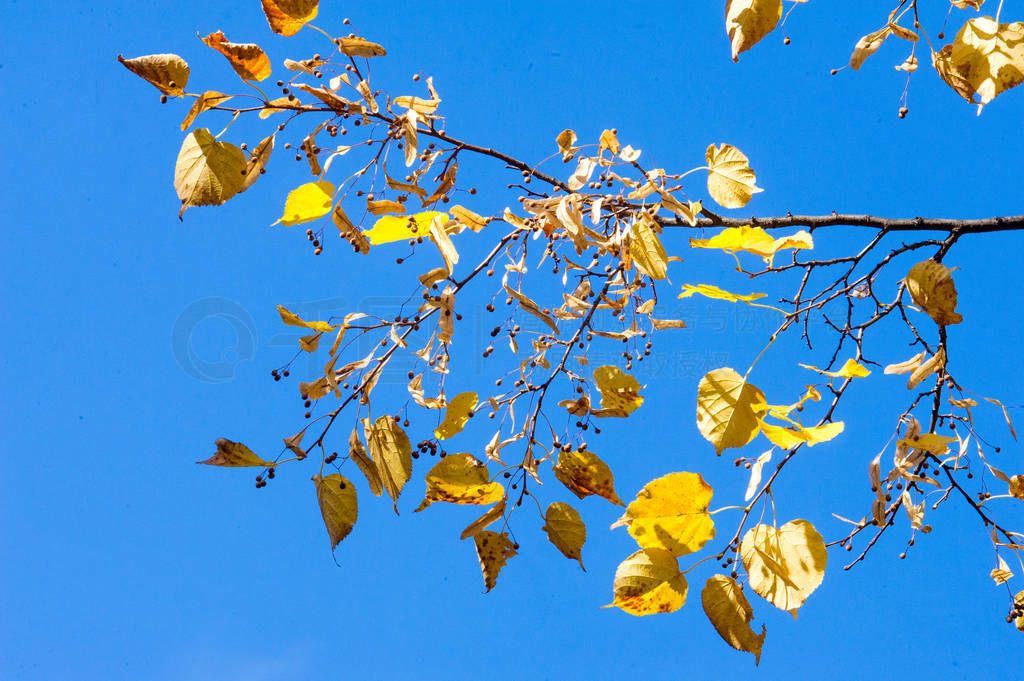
pixel 979 226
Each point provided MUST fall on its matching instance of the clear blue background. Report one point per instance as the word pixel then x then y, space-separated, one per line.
pixel 125 560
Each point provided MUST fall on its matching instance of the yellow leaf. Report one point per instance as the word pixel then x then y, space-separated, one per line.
pixel 390 449
pixel 235 454
pixel 620 392
pixel 929 442
pixel 649 582
pixel 469 218
pixel 337 498
pixel 933 290
pixel 753 240
pixel 307 202
pixel 492 514
pixel 731 182
pixel 291 319
pixel 1017 486
pixel 609 141
pixel 391 228
pixel 460 408
pixel 867 46
pixel 275 106
pixel 357 453
pixel 359 47
pixel 492 550
pixel 565 141
pixel 287 17
pixel 203 102
pixel 671 513
pixel 787 438
pixel 566 530
pixel 247 59
pixel 384 207
pixel 420 106
pixel 1018 601
pixel 985 60
pixel 748 21
pixel 851 369
pixel 583 473
pixel 710 291
pixel 785 564
pixel 725 409
pixel 1001 574
pixel 168 73
pixel 646 249
pixel 730 613
pixel 460 479
pixel 208 172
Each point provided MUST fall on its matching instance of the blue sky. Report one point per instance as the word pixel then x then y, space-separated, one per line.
pixel 134 341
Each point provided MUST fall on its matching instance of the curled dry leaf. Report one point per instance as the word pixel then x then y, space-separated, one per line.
pixel 726 409
pixel 906 366
pixel 731 182
pixel 566 530
pixel 247 59
pixel 258 160
pixel 927 368
pixel 203 102
pixel 287 17
pixel 748 21
pixel 357 453
pixel 208 172
pixel 867 46
pixel 646 249
pixel 785 564
pixel 1001 574
pixel 461 479
pixel 492 514
pixel 671 513
pixel 584 473
pixel 168 73
pixel 933 290
pixel 348 231
pixel 492 550
pixel 359 47
pixel 338 506
pixel 648 583
pixel 730 613
pixel 234 454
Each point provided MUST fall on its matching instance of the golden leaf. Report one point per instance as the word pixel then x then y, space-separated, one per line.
pixel 583 473
pixel 929 442
pixel 566 530
pixel 620 392
pixel 469 218
pixel 933 290
pixel 867 46
pixel 492 514
pixel 208 172
pixel 565 141
pixel 460 479
pixel 168 73
pixel 610 142
pixel 985 60
pixel 383 207
pixel 492 550
pixel 247 59
pixel 725 409
pixel 420 106
pixel 646 249
pixel 357 453
pixel 359 47
pixel 787 438
pixel 785 564
pixel 287 17
pixel 1017 486
pixel 730 613
pixel 1018 601
pixel 671 513
pixel 753 240
pixel 851 369
pixel 390 449
pixel 460 409
pixel 203 102
pixel 731 182
pixel 234 454
pixel 710 291
pixel 337 498
pixel 275 106
pixel 391 228
pixel 649 582
pixel 307 202
pixel 292 319
pixel 748 21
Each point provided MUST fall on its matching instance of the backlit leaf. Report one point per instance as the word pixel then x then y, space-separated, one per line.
pixel 393 228
pixel 906 366
pixel 203 102
pixel 710 291
pixel 307 202
pixel 851 369
pixel 566 530
pixel 725 409
pixel 390 449
pixel 671 513
pixel 168 73
pixel 584 473
pixel 753 240
pixel 932 443
pixel 460 408
pixel 287 17
pixel 785 565
pixel 646 250
pixel 292 319
pixel 730 613
pixel 609 141
pixel 985 60
pixel 933 290
pixel 360 47
pixel 492 550
pixel 731 182
pixel 1001 574
pixel 234 454
pixel 337 498
pixel 620 392
pixel 787 438
pixel 748 21
pixel 208 172
pixel 461 479
pixel 648 583
pixel 247 59
pixel 357 453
